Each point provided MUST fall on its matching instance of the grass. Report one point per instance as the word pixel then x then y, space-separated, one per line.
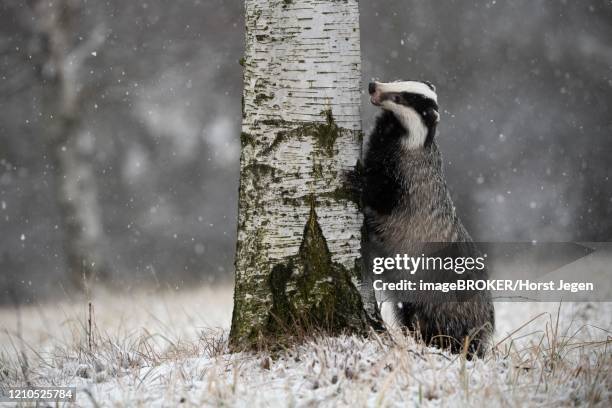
pixel 170 348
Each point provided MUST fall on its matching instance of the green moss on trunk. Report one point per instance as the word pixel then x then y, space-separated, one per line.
pixel 325 133
pixel 310 294
pixel 310 290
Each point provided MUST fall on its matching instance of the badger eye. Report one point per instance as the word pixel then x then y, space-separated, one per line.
pixel 396 99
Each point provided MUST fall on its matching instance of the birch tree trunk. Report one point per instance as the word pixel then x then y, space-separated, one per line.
pixel 77 196
pixel 299 228
pixel 62 57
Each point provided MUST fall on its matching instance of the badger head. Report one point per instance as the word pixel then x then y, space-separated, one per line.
pixel 414 104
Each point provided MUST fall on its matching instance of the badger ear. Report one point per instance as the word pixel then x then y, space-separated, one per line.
pixel 430 85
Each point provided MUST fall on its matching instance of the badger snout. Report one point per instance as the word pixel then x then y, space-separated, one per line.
pixel 375 95
pixel 372 87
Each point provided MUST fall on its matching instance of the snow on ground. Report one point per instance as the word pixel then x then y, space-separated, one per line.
pixel 168 349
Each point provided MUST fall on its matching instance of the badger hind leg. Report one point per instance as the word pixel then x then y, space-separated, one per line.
pixel 459 326
pixel 456 326
pixel 402 315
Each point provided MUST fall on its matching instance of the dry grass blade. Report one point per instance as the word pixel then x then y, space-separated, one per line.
pixel 166 356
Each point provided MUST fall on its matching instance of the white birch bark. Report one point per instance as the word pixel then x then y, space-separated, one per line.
pixel 72 148
pixel 301 131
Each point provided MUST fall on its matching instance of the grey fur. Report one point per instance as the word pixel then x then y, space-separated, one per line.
pixel 409 210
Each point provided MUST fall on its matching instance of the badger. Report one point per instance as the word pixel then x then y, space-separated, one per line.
pixel 408 210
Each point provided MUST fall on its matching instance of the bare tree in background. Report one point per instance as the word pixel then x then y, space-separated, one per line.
pixel 61 54
pixel 298 250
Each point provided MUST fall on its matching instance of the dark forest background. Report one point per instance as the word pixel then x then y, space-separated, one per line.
pixel 525 89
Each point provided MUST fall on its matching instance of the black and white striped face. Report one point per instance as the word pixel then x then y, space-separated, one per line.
pixel 414 104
